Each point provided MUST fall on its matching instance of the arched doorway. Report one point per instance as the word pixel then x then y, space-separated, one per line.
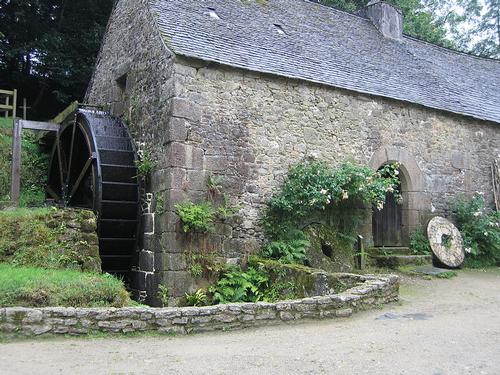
pixel 387 223
pixel 393 225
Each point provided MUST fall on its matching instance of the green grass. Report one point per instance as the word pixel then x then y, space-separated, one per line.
pixel 36 287
pixel 40 238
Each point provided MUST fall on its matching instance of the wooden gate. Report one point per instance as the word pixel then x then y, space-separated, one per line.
pixel 387 224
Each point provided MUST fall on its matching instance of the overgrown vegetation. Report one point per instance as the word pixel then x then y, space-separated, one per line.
pixel 480 229
pixel 34 166
pixel 419 244
pixel 36 287
pixel 315 193
pixel 50 257
pixel 40 238
pixel 198 217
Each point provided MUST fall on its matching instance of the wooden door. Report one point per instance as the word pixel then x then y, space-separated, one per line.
pixel 387 224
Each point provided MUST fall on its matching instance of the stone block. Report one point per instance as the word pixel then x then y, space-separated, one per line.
pixel 175 262
pixel 216 163
pixel 177 130
pixel 172 242
pixel 146 261
pixel 184 156
pixel 197 180
pixel 186 109
pixel 178 283
pixel 148 223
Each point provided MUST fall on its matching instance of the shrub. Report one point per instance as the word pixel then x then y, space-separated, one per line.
pixel 316 193
pixel 419 244
pixel 36 287
pixel 480 229
pixel 196 217
pixel 237 285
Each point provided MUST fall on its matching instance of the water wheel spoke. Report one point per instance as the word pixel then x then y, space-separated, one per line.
pixel 70 160
pixel 60 162
pixel 80 177
pixel 53 194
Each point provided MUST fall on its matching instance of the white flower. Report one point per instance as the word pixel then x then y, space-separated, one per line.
pixel 380 205
pixel 323 191
pixel 485 234
pixel 396 172
pixel 390 189
pixel 479 193
pixel 345 195
pixel 468 250
pixel 476 214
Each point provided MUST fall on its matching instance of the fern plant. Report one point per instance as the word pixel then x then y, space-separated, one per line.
pixel 196 217
pixel 240 286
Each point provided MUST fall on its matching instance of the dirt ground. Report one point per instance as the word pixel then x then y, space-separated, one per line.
pixel 439 327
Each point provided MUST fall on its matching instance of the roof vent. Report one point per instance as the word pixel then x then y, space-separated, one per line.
pixel 386 17
pixel 213 14
pixel 279 29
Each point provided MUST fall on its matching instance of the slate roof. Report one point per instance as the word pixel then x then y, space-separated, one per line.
pixel 330 47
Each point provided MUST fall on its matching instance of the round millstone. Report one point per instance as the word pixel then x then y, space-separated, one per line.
pixel 446 242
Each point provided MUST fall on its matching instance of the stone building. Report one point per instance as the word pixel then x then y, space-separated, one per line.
pixel 244 88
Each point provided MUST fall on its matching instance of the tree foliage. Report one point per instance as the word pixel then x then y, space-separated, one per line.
pixel 48 49
pixel 419 22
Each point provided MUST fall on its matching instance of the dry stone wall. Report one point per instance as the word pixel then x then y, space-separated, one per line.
pixel 372 292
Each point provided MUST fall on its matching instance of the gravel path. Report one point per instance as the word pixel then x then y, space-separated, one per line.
pixel 440 327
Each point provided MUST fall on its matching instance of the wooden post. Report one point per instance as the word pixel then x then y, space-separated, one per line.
pixel 15 188
pixel 25 108
pixel 7 99
pixel 14 105
pixel 360 256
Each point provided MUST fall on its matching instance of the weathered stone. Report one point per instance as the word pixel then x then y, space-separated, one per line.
pixel 446 242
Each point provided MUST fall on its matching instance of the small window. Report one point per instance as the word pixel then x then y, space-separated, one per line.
pixel 122 82
pixel 122 85
pixel 213 14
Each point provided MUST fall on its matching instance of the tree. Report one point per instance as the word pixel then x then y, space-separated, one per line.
pixel 48 49
pixel 420 22
pixel 487 27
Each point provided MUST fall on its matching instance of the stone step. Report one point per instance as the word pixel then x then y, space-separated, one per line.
pixel 396 250
pixel 394 261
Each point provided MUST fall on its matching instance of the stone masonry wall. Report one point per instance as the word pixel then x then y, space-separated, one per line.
pixel 372 292
pixel 254 126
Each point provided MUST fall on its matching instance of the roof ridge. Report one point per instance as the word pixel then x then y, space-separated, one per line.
pixel 451 50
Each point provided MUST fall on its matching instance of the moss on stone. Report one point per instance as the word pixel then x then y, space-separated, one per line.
pixel 50 238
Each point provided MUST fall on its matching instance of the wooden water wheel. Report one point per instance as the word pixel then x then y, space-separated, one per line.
pixel 93 167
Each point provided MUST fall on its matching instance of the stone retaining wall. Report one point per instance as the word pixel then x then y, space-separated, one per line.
pixel 372 291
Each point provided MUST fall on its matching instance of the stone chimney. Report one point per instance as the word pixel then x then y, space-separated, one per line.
pixel 387 18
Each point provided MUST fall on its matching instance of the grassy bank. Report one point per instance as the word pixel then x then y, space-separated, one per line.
pixel 36 287
pixel 50 257
pixel 50 239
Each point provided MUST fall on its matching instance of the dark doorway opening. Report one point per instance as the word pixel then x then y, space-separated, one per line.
pixel 387 223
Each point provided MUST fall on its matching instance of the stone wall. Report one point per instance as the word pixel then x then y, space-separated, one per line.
pixel 372 292
pixel 254 126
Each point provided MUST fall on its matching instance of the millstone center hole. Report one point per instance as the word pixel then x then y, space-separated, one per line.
pixel 446 241
pixel 327 249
